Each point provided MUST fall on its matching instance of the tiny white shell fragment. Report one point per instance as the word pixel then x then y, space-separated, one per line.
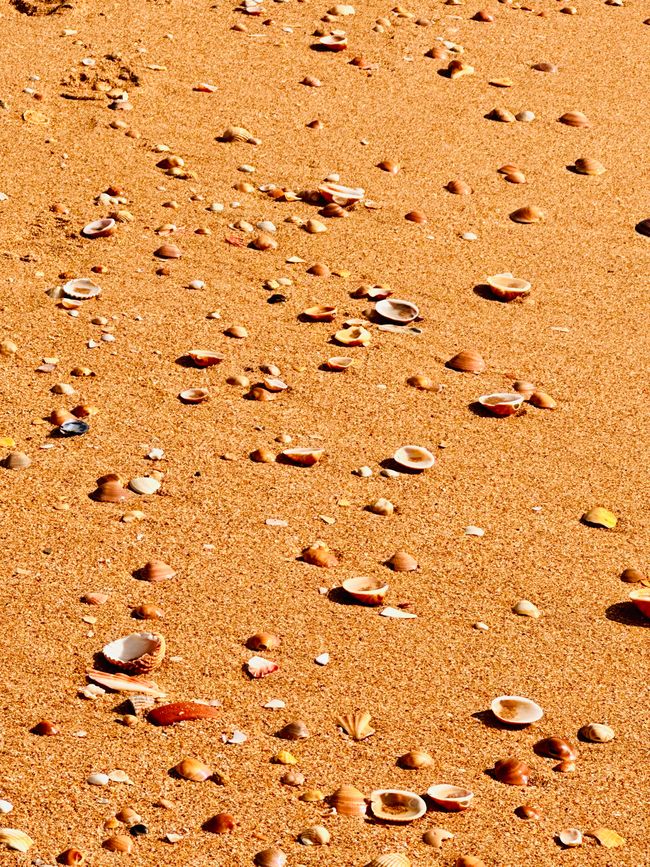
pixel 274 704
pixel 6 806
pixel 474 531
pixel 118 776
pixel 156 454
pixel 98 780
pixel 397 613
pixel 276 522
pixel 323 659
pixel 570 837
pixel 237 737
pixel 258 667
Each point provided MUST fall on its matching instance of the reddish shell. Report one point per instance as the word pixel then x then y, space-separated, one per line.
pixel 169 714
pixel 222 823
pixel 168 251
pixel 512 772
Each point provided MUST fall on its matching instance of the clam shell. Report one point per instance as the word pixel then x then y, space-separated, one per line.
pixel 315 835
pixel 319 554
pixel 542 400
pixel 589 166
pixel 194 395
pixel 16 461
pixel 168 251
pixel 389 166
pixel 516 710
pixel 99 228
pixel 523 387
pixel 333 43
pixel 222 823
pixel 451 798
pixel 467 361
pixel 570 837
pixel 597 733
pixel 397 310
pixel 204 357
pixel 192 769
pixel 144 485
pixel 423 382
pixel 641 598
pixel 292 778
pixel 58 416
pixel 81 289
pixel 459 68
pixel 368 591
pixel 556 748
pixel 333 210
pixel 272 857
pixel 396 805
pixel 506 287
pixel 526 609
pixel 302 456
pixel 501 403
pixel 575 119
pixel 320 313
pixel 294 731
pixel 348 801
pixel 415 759
pixel 341 195
pixel 138 653
pixel 179 711
pixel 632 576
pixel 339 362
pixel 356 335
pixel 357 725
pixel 125 683
pixel 119 843
pixel 402 561
pixel 414 458
pixel 502 115
pixel 239 134
pixel 111 492
pixel 600 517
pixel 512 772
pixel 528 214
pixel 459 188
pixel 416 217
pixel 156 571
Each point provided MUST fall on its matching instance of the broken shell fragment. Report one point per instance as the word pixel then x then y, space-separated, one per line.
pixel 356 725
pixel 319 554
pixel 194 395
pixel 502 403
pixel 512 772
pixel 397 310
pixel 15 839
pixel 170 714
pixel 516 710
pixel 239 134
pixel 315 835
pixel 156 571
pixel 414 458
pixel 259 667
pixel 341 195
pixel 402 561
pixel 138 653
pixel 467 361
pixel 272 857
pixel 607 837
pixel 81 289
pixel 507 288
pixel 302 456
pixel 191 769
pixel 451 798
pixel 436 837
pixel 294 731
pixel 382 506
pixel 339 362
pixel 204 357
pixel 459 68
pixel 597 733
pixel 641 598
pixel 528 214
pixel 125 683
pixel 570 837
pixel 415 760
pixel 99 228
pixel 396 805
pixel 348 801
pixel 368 591
pixel 356 335
pixel 600 517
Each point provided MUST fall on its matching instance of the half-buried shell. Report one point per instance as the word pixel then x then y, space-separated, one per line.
pixel 138 653
pixel 368 591
pixel 396 805
pixel 341 195
pixel 356 725
pixel 390 859
pixel 502 403
pixel 451 798
pixel 506 287
pixel 397 310
pixel 516 710
pixel 414 458
pixel 204 357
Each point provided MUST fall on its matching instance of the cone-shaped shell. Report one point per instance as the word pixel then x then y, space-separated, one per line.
pixel 512 772
pixel 368 591
pixel 303 457
pixel 415 759
pixel 589 166
pixel 357 725
pixel 339 362
pixel 641 598
pixel 506 287
pixel 294 731
pixel 320 554
pixel 451 798
pixel 272 857
pixel 192 769
pixel 17 461
pixel 156 571
pixel 414 458
pixel 204 357
pixel 467 361
pixel 138 653
pixel 81 289
pixel 111 492
pixel 600 517
pixel 348 801
pixel 341 195
pixel 528 214
pixel 516 710
pixel 556 748
pixel 575 119
pixel 402 561
pixel 396 805
pixel 502 403
pixel 397 310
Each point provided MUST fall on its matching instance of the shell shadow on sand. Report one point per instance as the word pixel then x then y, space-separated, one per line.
pixel 628 614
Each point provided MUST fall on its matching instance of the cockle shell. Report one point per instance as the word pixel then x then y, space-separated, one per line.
pixel 168 251
pixel 516 710
pixel 294 731
pixel 600 517
pixel 502 403
pixel 302 456
pixel 368 591
pixel 341 195
pixel 575 119
pixel 138 653
pixel 263 641
pixel 111 492
pixel 204 357
pixel 320 313
pixel 512 772
pixel 397 310
pixel 451 798
pixel 192 769
pixel 239 134
pixel 81 289
pixel 390 859
pixel 272 857
pixel 416 217
pixel 125 683
pixel 15 839
pixel 156 571
pixel 348 801
pixel 389 166
pixel 356 725
pixel 641 598
pixel 119 843
pixel 396 805
pixel 467 361
pixel 333 210
pixel 459 188
pixel 194 395
pixel 356 335
pixel 259 667
pixel 315 835
pixel 556 748
pixel 528 214
pixel 528 811
pixel 597 733
pixel 506 287
pixel 570 837
pixel 333 43
pixel 415 760
pixel 339 362
pixel 402 561
pixel 99 228
pixel 16 461
pixel 414 458
pixel 589 166
pixel 319 554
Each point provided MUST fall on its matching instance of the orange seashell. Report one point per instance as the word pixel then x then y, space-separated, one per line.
pixel 528 214
pixel 401 561
pixel 451 798
pixel 191 769
pixel 556 748
pixel 512 772
pixel 515 177
pixel 125 683
pixel 156 571
pixel 502 115
pixel 303 457
pixel 437 53
pixel 542 400
pixel 259 393
pixel 119 843
pixel 483 15
pixel 147 611
pixel 368 591
pixel 415 760
pixel 423 382
pixel 523 387
pixel 467 361
pixel 641 598
pixel 319 554
pixel 168 251
pixel 528 811
pixel 58 416
pixel 389 166
pixel 71 857
pixel 589 166
pixel 356 725
pixel 333 43
pixel 459 188
pixel 333 210
pixel 272 857
pixel 502 403
pixel 341 195
pixel 169 714
pixel 294 731
pixel 506 287
pixel 194 395
pixel 416 217
pixel 99 228
pixel 204 357
pixel 319 270
pixel 575 119
pixel 111 492
pixel 222 823
pixel 348 801
pixel 263 641
pixel 396 805
pixel 320 313
pixel 263 456
pixel 264 242
pixel 469 861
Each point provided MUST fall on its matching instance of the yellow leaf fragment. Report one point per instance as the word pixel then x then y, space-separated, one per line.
pixel 607 838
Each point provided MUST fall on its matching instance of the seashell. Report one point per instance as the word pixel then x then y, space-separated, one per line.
pixel 156 571
pixel 284 757
pixel 512 772
pixel 502 403
pixel 194 395
pixel 45 728
pixel 274 384
pixel 84 410
pixel 389 166
pixel 438 52
pixel 311 81
pixel 222 823
pixel 459 68
pixel 397 310
pixel 263 641
pixel 95 598
pixel 319 270
pixel 81 289
pixel 575 119
pixel 348 801
pixel 396 805
pixel 144 485
pixel 237 331
pixel 333 43
pixel 16 461
pixel 483 15
pixel 524 388
pixel 467 361
pixel 272 857
pixel 191 769
pixel 180 711
pixel 643 228
pixel 542 400
pixel 356 335
pixel 315 835
pixel 570 837
pixel 641 598
pixel 357 724
pixel 528 214
pixel 204 357
pixel 303 457
pixel 99 228
pixel 589 166
pixel 320 313
pixel 168 251
pixel 545 67
pixel 436 836
pixel 556 748
pixel 73 427
pixel 516 710
pixel 526 609
pixel 423 382
pixel 71 857
pixel 416 217
pixel 607 838
pixel 459 188
pixel 124 683
pixel 239 134
pixel 600 517
pixel 597 733
pixel 259 667
pixel 414 458
pixel 264 242
pixel 402 561
pixel 382 506
pixel 502 115
pixel 339 363
pixel 311 796
pixel 341 195
pixel 111 492
pixel 415 760
pixel 368 591
pixel 15 839
pixel 319 554
pixel 528 811
pixel 119 843
pixel 515 177
pixel 565 767
pixel 451 798
pixel 294 731
pixel 468 861
pixel 333 210
pixel 140 704
pixel 632 576
pixel 59 416
pixel 391 859
pixel 138 653
pixel 292 778
pixel 506 287
pixel 258 393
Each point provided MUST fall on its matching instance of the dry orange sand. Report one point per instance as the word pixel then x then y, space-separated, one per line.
pixel 582 336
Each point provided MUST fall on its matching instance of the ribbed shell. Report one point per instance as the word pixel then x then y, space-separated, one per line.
pixel 467 361
pixel 294 731
pixel 391 859
pixel 459 188
pixel 528 214
pixel 589 166
pixel 575 119
pixel 348 801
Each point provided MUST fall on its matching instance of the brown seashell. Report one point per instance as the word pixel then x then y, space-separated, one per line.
pixel 423 382
pixel 16 461
pixel 368 591
pixel 402 561
pixel 542 400
pixel 502 115
pixel 451 798
pixel 589 166
pixel 292 778
pixel 111 492
pixel 333 42
pixel 315 124
pixel 194 395
pixel 204 357
pixel 259 393
pixel 565 767
pixel 483 15
pixel 264 242
pixel 99 228
pixel 147 611
pixel 632 576
pixel 58 416
pixel 263 641
pixel 319 270
pixel 311 81
pixel 294 731
pixel 348 801
pixel 119 843
pixel 528 214
pixel 168 251
pixel 556 748
pixel 356 725
pixel 415 760
pixel 508 168
pixel 512 772
pixel 416 217
pixel 239 134
pixel 643 228
pixel 574 118
pixel 523 387
pixel 138 653
pixel 222 823
pixel 528 811
pixel 469 861
pixel 169 714
pixel 192 769
pixel 389 166
pixel 467 361
pixel 263 456
pixel 71 857
pixel 319 554
pixel 272 857
pixel 84 410
pixel 459 188
pixel 320 313
pixel 390 859
pixel 459 68
pixel 156 571
pixel 333 210
pixel 45 728
pixel 515 177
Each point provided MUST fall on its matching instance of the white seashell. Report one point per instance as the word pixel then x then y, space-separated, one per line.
pixel 570 837
pixel 323 659
pixel 502 403
pixel 526 609
pixel 118 776
pixel 98 780
pixel 5 806
pixel 341 195
pixel 474 531
pixel 258 667
pixel 397 310
pixel 506 287
pixel 274 704
pixel 15 839
pixel 368 591
pixel 99 228
pixel 397 613
pixel 81 289
pixel 414 458
pixel 139 652
pixel 144 485
pixel 316 835
pixel 516 710
pixel 396 805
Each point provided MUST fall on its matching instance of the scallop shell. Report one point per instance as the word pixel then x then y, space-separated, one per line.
pixel 180 711
pixel 575 119
pixel 528 214
pixel 315 835
pixel 570 837
pixel 81 289
pixel 192 769
pixel 320 313
pixel 341 195
pixel 333 43
pixel 138 653
pixel 542 400
pixel 168 251
pixel 512 772
pixel 589 166
pixel 368 591
pixel 396 805
pixel 459 188
pixel 294 731
pixel 156 571
pixel 506 287
pixel 272 857
pixel 641 598
pixel 99 228
pixel 402 561
pixel 348 801
pixel 111 492
pixel 140 704
pixel 502 403
pixel 320 554
pixel 414 458
pixel 259 667
pixel 204 357
pixel 397 310
pixel 125 683
pixel 415 759
pixel 356 335
pixel 467 361
pixel 339 362
pixel 600 517
pixel 194 395
pixel 357 725
pixel 239 134
pixel 391 859
pixel 16 461
pixel 303 457
pixel 556 748
pixel 516 710
pixel 451 798
pixel 597 733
